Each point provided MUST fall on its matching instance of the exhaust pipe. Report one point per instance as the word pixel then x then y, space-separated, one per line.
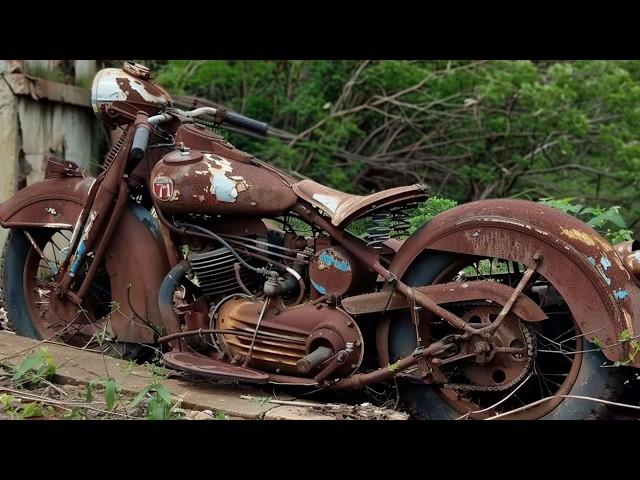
pixel 629 253
pixel 165 298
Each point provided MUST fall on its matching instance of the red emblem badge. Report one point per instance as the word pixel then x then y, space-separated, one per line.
pixel 163 188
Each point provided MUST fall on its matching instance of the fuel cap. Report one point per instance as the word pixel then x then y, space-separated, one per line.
pixel 137 70
pixel 182 157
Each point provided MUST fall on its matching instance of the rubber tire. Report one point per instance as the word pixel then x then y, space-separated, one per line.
pixel 425 402
pixel 15 254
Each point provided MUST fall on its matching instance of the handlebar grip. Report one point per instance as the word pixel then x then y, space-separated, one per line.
pixel 246 123
pixel 140 143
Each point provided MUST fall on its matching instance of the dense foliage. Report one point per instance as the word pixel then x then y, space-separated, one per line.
pixel 470 129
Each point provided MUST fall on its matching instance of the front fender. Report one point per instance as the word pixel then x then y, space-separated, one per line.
pixel 135 261
pixel 602 295
pixel 53 203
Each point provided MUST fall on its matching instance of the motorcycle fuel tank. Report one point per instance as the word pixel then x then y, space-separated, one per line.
pixel 191 181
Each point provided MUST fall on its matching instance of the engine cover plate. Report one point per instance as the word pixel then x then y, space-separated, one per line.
pixel 287 335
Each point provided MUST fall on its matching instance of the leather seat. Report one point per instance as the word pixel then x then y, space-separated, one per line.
pixel 340 206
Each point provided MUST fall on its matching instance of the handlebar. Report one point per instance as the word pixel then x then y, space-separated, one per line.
pixel 245 122
pixel 140 143
pixel 223 116
pixel 143 132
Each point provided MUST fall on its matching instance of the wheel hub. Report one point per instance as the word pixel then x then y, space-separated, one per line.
pixel 497 362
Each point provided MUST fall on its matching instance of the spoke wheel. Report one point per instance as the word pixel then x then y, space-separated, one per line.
pixel 558 365
pixel 51 319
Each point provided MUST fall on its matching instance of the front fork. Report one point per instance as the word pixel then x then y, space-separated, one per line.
pixel 97 222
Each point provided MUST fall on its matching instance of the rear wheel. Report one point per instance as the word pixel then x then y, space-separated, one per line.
pixel 559 362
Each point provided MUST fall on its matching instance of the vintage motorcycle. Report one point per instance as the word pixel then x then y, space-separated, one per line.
pixel 232 269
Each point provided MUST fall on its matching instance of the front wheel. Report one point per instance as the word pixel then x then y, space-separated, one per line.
pixel 559 361
pixel 29 272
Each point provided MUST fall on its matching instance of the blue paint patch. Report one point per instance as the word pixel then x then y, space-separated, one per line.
pixel 329 260
pixel 604 261
pixel 224 188
pixel 592 261
pixel 621 294
pixel 319 288
pixel 78 259
pixel 145 217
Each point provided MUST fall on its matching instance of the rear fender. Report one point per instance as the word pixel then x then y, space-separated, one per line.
pixel 602 295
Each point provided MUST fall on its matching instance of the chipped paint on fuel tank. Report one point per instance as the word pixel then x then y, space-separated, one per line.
pixel 605 262
pixel 330 258
pixel 225 188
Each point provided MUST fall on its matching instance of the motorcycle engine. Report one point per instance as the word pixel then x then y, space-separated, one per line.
pixel 286 336
pixel 213 266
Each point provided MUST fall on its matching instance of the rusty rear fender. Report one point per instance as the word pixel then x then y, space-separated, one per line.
pixel 602 295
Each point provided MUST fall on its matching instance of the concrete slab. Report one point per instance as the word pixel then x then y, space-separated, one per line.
pixel 288 412
pixel 79 366
pixel 76 366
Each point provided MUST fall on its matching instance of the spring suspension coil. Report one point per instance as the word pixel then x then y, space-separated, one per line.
pixel 379 231
pixel 115 148
pixel 390 223
pixel 400 219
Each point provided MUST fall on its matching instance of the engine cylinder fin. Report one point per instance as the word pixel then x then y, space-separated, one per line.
pixel 215 271
pixel 261 346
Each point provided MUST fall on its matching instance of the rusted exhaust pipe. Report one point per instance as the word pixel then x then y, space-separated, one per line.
pixel 315 358
pixel 629 253
pixel 165 297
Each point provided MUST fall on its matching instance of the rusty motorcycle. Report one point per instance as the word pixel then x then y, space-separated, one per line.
pixel 231 269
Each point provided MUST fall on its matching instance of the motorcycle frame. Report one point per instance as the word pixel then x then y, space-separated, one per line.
pixel 104 206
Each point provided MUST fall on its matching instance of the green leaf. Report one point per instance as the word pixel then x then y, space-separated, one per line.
pixel 40 362
pixel 29 410
pixel 140 396
pixel 163 393
pixel 6 401
pixel 89 397
pixel 158 409
pixel 111 389
pixel 76 413
pixel 626 335
pixel 220 416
